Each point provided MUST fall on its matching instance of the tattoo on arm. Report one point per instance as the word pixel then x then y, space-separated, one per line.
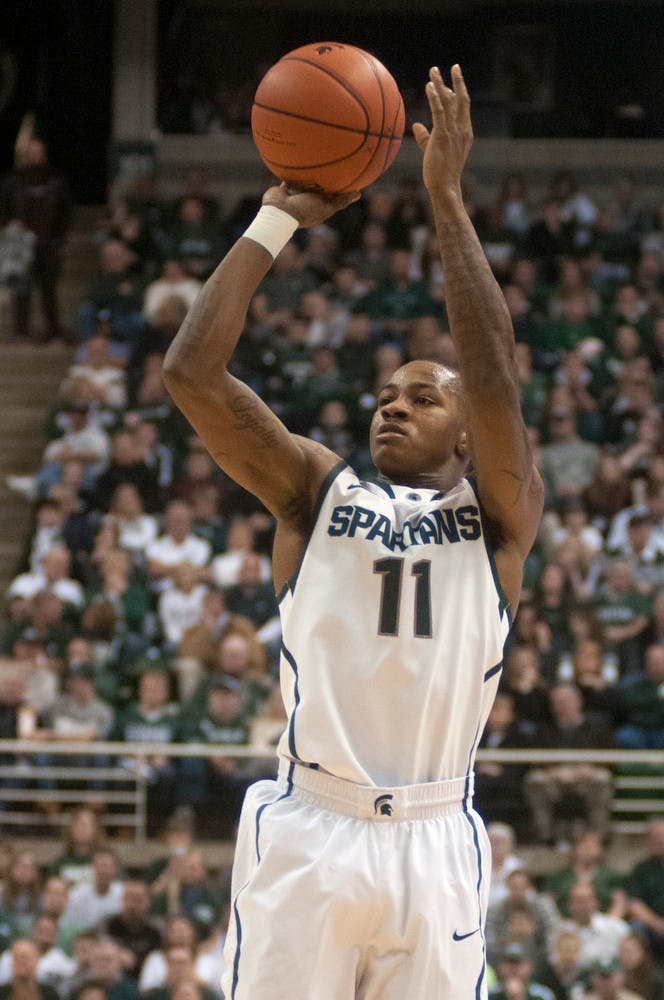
pixel 249 418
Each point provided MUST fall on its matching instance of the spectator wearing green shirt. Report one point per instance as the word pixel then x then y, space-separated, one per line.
pixel 515 969
pixel 623 614
pixel 216 785
pixel 188 894
pixel 587 864
pixel 399 298
pixel 644 728
pixel 153 719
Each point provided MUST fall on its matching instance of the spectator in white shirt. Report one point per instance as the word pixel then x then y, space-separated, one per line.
pixel 181 606
pixel 600 933
pixel 83 441
pixel 173 280
pixel 54 967
pixel 136 528
pixel 92 902
pixel 176 546
pixel 53 576
pixel 225 568
pixel 103 378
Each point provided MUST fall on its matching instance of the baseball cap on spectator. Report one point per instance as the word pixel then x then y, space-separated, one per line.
pixel 515 952
pixel 225 682
pixel 31 635
pixel 152 659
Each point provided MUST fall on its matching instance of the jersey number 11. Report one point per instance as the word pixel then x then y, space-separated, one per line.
pixel 391 569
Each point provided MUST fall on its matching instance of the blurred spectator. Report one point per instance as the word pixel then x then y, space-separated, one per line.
pixel 90 903
pixel 562 972
pixel 563 795
pixel 177 545
pixel 523 681
pixel 639 971
pixel 586 864
pixel 216 785
pixel 643 728
pixel 173 281
pixel 503 859
pixel 126 465
pixel 593 675
pixel 568 462
pixel 179 932
pixel 606 982
pixel 196 241
pixel 515 977
pixel 646 890
pixel 499 787
pixel 54 967
pixel 225 568
pixel 180 975
pixel 77 716
pixel 132 928
pixel 623 613
pixel 608 492
pixel 106 969
pixel 103 376
pixel 83 441
pixel 24 982
pixel 52 576
pixel 252 597
pixel 115 295
pixel 37 197
pixel 180 606
pixel 82 836
pixel 152 718
pixel 21 891
pixel 399 298
pixel 600 933
pixel 521 895
pixel 189 894
pixel 54 900
pixel 38 665
pixel 178 836
pixel 136 529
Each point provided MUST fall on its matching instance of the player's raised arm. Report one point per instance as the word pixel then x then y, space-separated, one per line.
pixel 509 485
pixel 240 431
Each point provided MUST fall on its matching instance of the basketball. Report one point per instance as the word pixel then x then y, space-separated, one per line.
pixel 328 116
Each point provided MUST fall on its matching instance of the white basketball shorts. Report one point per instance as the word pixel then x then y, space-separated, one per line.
pixel 343 891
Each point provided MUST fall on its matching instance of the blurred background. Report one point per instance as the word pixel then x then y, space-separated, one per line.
pixel 558 68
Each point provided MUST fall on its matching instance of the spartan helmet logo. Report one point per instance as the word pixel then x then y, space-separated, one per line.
pixel 382 805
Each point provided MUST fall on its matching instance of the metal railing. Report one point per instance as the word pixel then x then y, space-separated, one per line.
pixel 46 787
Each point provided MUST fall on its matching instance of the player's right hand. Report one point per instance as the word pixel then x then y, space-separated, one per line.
pixel 310 208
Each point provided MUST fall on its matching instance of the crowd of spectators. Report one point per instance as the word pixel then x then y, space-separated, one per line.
pixel 144 612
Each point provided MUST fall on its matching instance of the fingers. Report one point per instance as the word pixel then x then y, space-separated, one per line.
pixel 453 103
pixel 420 134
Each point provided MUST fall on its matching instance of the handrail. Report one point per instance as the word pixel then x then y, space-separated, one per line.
pixel 119 749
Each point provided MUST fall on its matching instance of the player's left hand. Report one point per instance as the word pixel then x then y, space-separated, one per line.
pixel 310 208
pixel 447 144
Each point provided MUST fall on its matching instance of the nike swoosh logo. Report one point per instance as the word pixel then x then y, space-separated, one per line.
pixel 462 937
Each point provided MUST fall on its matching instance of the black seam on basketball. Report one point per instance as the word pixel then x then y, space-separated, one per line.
pixel 389 145
pixel 339 79
pixel 321 121
pixel 367 165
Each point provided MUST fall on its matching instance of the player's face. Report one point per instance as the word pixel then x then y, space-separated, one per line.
pixel 417 427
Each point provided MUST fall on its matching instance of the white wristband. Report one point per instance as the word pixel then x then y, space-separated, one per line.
pixel 272 228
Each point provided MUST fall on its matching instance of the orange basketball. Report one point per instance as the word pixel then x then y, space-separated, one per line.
pixel 329 116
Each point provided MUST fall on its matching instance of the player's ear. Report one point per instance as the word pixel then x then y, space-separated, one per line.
pixel 462 446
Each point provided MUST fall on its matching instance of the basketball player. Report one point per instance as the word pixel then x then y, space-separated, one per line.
pixel 364 871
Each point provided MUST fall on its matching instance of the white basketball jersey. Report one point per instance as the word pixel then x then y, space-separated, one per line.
pixel 393 634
